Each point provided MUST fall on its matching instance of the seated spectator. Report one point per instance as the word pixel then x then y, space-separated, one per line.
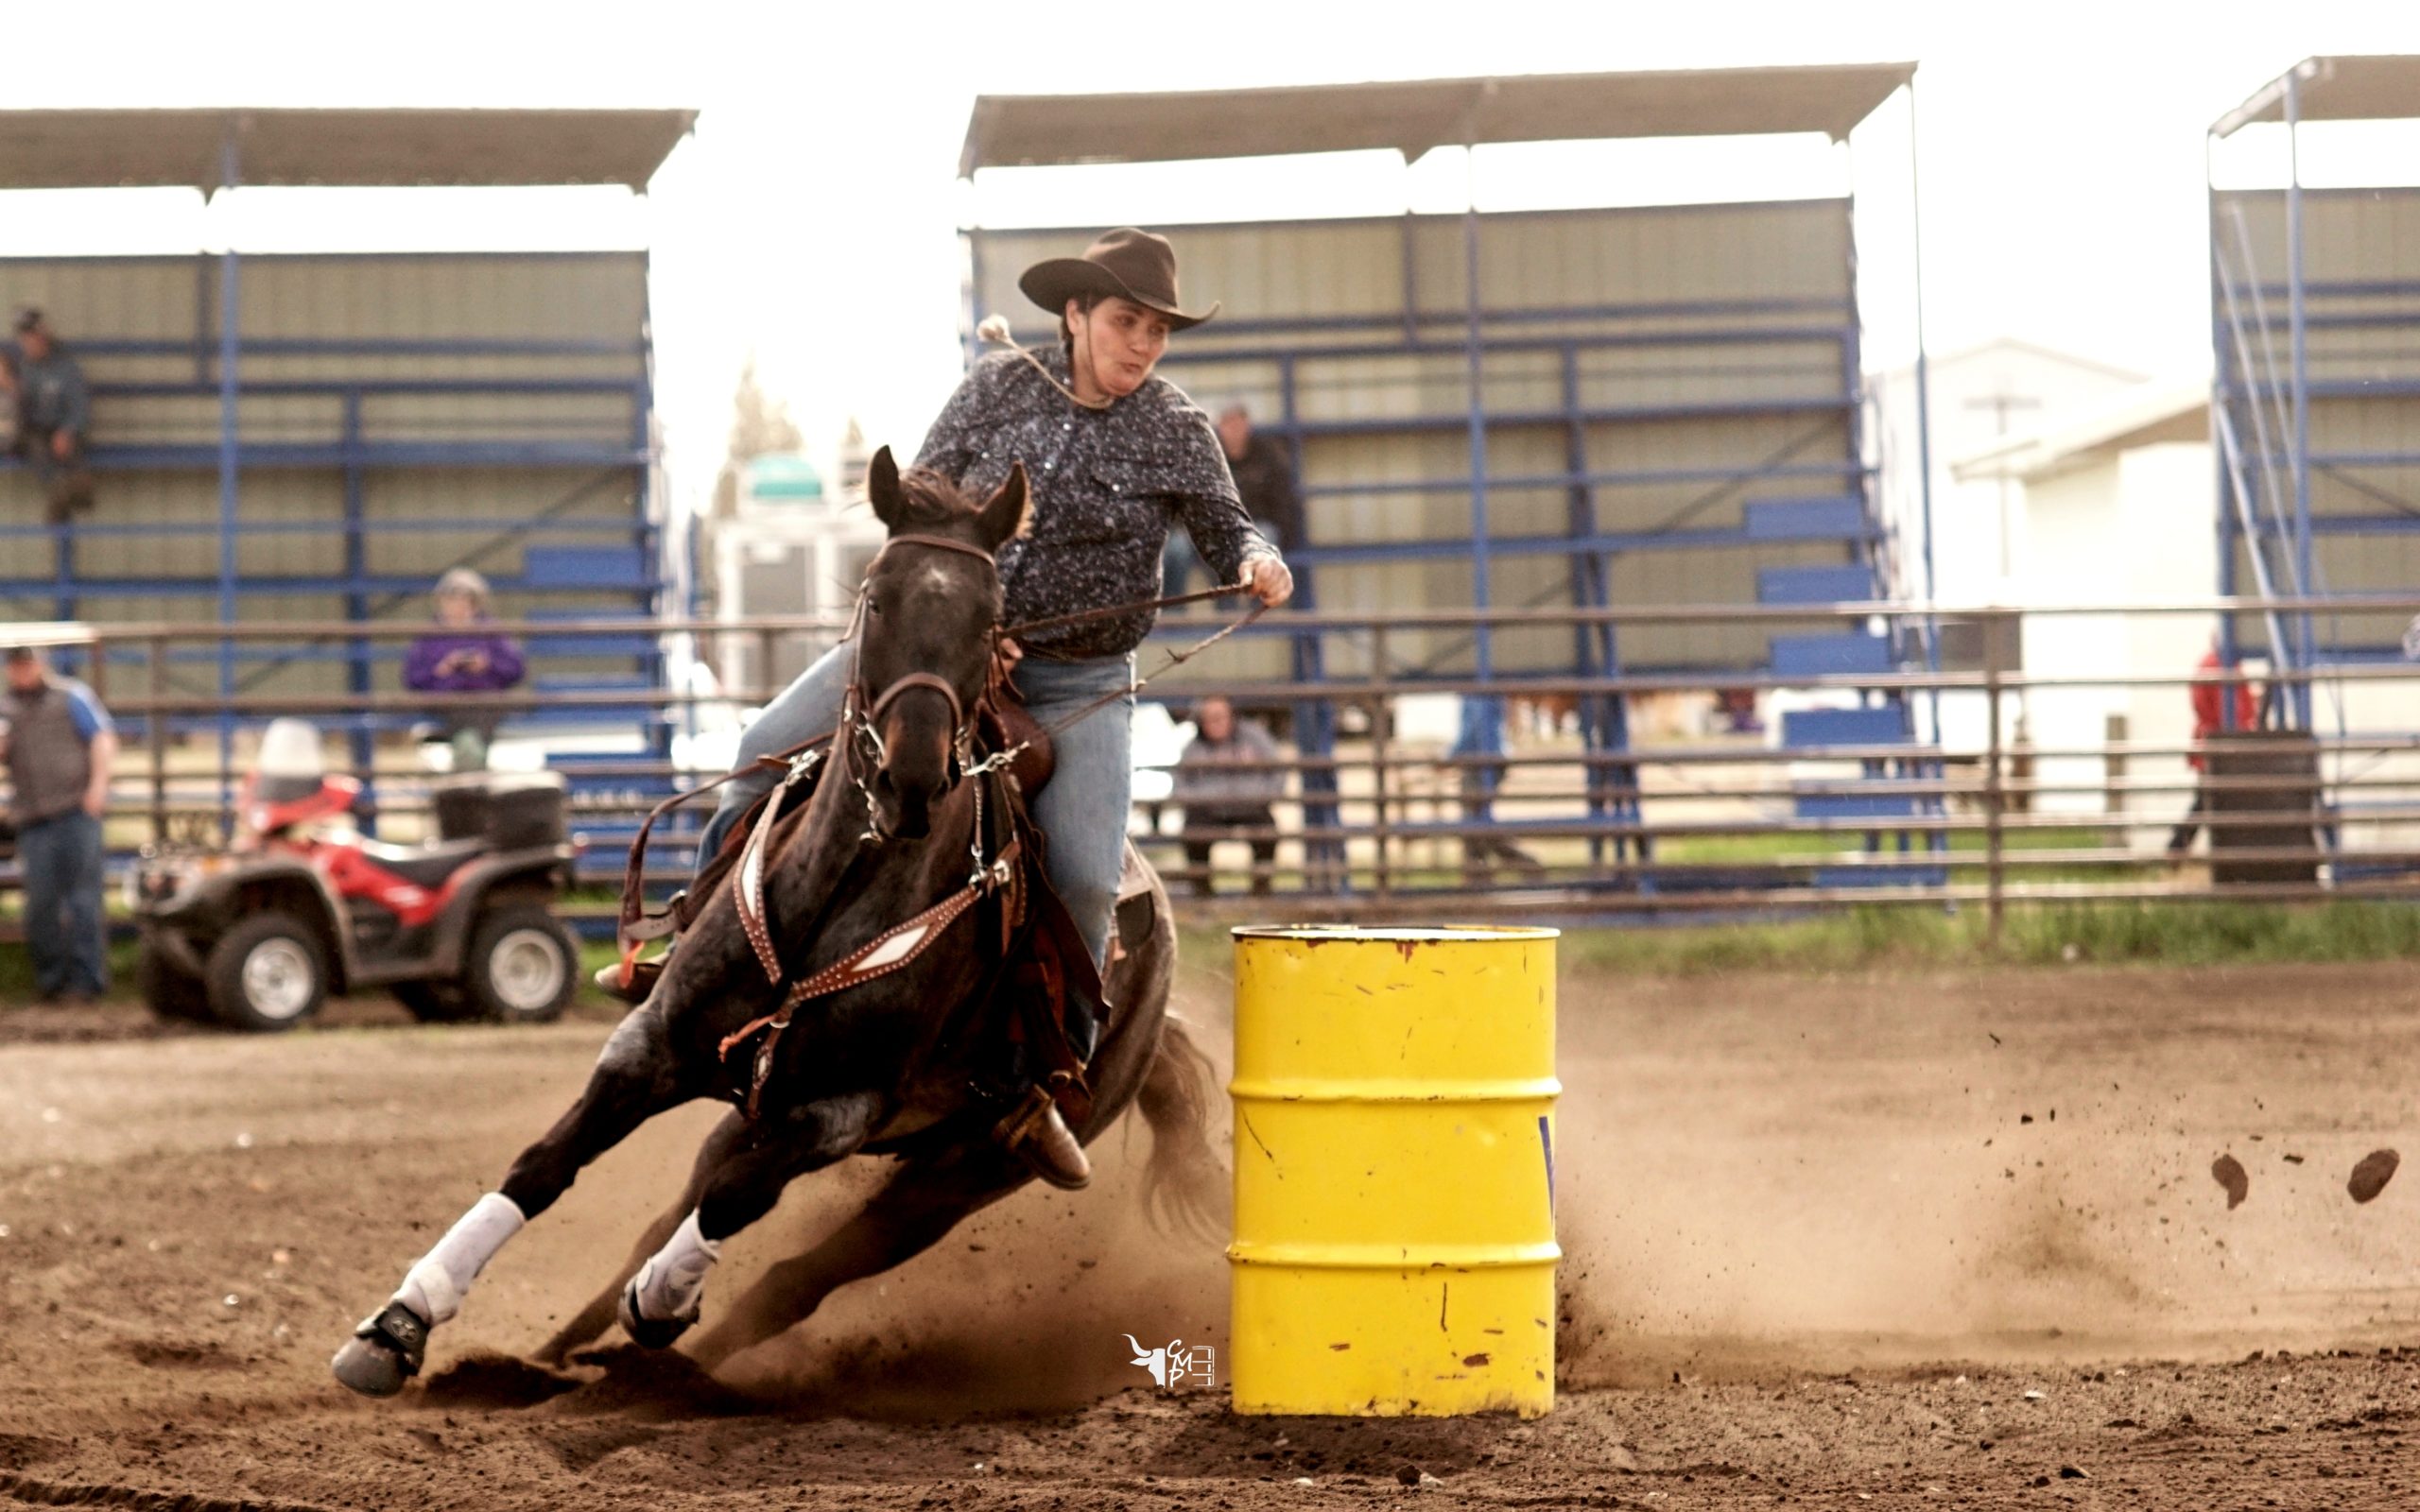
pixel 1218 796
pixel 463 656
pixel 45 386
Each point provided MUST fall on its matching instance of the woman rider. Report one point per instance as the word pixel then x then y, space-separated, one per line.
pixel 1114 456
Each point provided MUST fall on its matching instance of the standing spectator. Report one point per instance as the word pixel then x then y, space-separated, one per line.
pixel 54 413
pixel 2210 701
pixel 60 745
pixel 1263 466
pixel 1482 735
pixel 1264 469
pixel 464 655
pixel 1220 795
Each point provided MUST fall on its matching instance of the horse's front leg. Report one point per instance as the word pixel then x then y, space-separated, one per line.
pixel 603 1309
pixel 925 1199
pixel 637 1076
pixel 661 1300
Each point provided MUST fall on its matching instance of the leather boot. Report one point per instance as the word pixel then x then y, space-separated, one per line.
pixel 643 978
pixel 1040 1138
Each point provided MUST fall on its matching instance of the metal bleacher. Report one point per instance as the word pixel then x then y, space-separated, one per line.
pixel 1632 406
pixel 2315 406
pixel 312 439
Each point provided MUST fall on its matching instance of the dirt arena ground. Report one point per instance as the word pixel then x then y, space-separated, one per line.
pixel 1944 1240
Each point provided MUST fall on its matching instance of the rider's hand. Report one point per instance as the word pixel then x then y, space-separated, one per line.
pixel 1007 654
pixel 1268 577
pixel 63 444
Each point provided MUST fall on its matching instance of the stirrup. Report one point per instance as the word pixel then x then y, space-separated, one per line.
pixel 642 982
pixel 1036 1134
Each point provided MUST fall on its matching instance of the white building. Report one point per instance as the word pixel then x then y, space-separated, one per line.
pixel 2113 504
pixel 1979 399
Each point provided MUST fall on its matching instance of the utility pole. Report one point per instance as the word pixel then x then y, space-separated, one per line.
pixel 2002 403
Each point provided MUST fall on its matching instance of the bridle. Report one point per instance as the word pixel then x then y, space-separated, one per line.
pixel 862 710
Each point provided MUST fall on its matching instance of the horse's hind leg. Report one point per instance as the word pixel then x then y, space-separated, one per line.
pixel 922 1201
pixel 636 1076
pixel 661 1301
pixel 592 1320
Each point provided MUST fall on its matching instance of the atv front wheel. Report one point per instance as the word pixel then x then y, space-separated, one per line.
pixel 268 973
pixel 524 965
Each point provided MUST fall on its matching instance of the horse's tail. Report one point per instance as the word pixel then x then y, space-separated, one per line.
pixel 1184 1184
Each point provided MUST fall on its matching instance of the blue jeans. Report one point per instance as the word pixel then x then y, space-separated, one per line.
pixel 61 861
pixel 1082 809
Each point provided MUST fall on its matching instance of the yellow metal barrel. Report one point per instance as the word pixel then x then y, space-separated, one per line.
pixel 1395 1245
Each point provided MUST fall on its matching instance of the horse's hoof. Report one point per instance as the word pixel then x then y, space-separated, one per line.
pixel 384 1353
pixel 647 1332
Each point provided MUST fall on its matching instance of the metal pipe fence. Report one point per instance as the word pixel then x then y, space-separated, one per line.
pixel 1996 786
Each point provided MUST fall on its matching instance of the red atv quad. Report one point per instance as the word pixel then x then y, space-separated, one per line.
pixel 457 928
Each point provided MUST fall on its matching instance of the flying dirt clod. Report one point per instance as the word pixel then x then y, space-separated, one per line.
pixel 2229 1173
pixel 2369 1178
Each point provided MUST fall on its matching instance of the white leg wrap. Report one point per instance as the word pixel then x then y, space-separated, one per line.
pixel 674 1277
pixel 434 1287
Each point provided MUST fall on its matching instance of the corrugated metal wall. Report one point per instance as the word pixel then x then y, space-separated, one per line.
pixel 2361 267
pixel 404 343
pixel 1733 308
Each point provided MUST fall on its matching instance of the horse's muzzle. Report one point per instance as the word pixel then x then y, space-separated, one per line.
pixel 902 808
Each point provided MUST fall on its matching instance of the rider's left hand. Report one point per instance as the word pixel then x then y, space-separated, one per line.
pixel 1269 578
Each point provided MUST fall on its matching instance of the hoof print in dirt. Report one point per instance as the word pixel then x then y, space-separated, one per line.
pixel 496 1381
pixel 2229 1173
pixel 383 1353
pixel 2369 1178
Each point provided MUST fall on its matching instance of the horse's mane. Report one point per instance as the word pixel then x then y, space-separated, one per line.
pixel 928 500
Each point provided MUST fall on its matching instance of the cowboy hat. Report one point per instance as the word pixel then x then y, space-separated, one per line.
pixel 1130 264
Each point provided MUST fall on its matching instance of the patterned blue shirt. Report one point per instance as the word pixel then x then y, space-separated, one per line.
pixel 1107 486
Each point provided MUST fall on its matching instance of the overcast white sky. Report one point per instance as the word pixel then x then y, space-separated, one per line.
pixel 812 216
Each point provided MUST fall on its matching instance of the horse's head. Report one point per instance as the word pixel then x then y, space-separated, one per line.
pixel 929 614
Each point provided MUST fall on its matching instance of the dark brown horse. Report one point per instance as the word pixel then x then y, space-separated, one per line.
pixel 888 1066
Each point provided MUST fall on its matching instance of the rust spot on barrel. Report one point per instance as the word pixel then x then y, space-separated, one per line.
pixel 1406 947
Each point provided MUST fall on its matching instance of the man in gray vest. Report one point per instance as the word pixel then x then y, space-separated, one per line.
pixel 59 745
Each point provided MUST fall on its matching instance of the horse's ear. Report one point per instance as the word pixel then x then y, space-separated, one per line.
pixel 882 490
pixel 1004 517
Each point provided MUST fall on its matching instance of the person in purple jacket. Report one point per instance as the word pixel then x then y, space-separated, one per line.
pixel 464 655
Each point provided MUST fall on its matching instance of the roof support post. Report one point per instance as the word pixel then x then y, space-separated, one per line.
pixel 1924 404
pixel 230 351
pixel 2305 643
pixel 1484 661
